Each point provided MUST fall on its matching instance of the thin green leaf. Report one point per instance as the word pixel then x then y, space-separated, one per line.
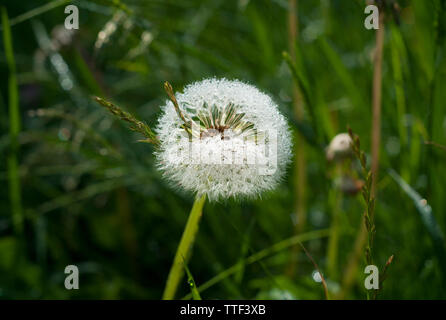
pixel 282 245
pixel 191 282
pixel 37 11
pixel 427 217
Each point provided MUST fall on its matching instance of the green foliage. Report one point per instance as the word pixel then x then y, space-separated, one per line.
pixel 14 126
pixel 86 193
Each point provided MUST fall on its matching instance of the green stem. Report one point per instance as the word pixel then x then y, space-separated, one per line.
pixel 184 249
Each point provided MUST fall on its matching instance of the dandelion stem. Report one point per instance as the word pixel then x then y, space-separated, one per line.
pixel 184 248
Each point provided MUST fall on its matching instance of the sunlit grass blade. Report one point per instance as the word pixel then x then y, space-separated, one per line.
pixel 191 282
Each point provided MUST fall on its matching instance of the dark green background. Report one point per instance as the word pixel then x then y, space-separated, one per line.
pixel 91 195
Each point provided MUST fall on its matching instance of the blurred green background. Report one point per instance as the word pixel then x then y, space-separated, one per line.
pixel 89 193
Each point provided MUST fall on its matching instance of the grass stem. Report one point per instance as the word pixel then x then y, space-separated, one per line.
pixel 376 101
pixel 353 261
pixel 324 284
pixel 299 175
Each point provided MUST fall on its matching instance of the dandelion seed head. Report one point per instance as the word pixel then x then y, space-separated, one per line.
pixel 235 142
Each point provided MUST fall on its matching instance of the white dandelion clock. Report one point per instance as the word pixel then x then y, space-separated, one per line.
pixel 217 139
pixel 222 139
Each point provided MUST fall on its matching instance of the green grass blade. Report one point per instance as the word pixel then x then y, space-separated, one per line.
pixel 300 79
pixel 282 245
pixel 397 51
pixel 87 75
pixel 190 280
pixel 37 11
pixel 427 217
pixel 342 72
pixel 262 34
pixel 14 127
pixel 244 251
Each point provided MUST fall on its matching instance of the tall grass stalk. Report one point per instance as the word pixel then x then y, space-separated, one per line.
pixel 299 177
pixel 184 249
pixel 14 128
pixel 353 262
pixel 376 101
pixel 369 199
